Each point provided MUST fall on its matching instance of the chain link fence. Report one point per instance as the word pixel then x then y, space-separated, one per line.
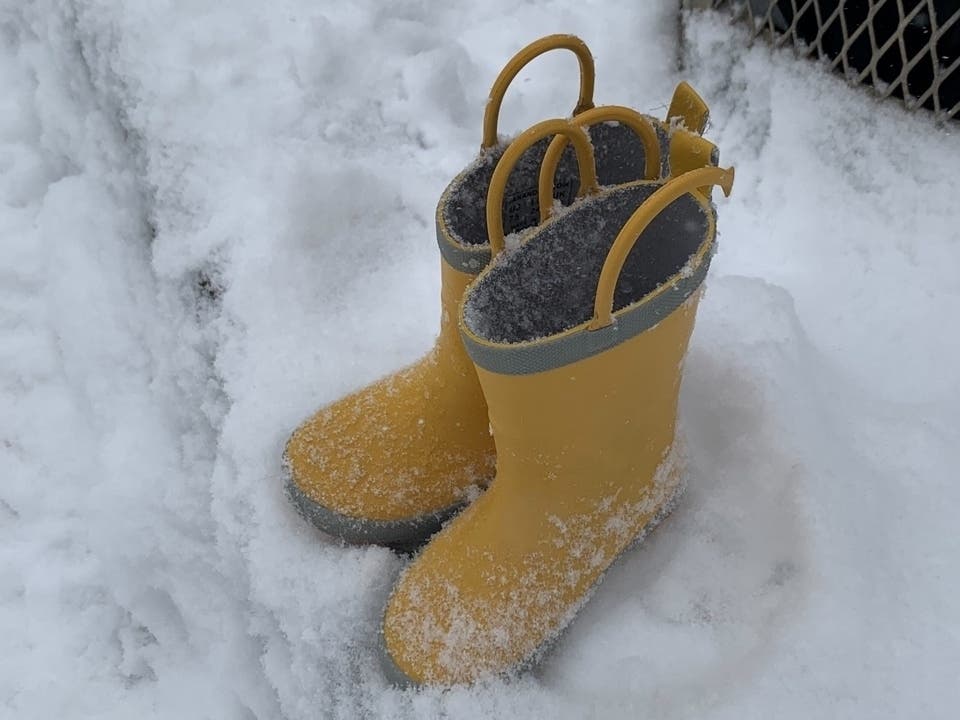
pixel 909 49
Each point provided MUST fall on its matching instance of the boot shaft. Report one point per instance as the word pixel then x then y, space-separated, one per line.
pixel 608 415
pixel 579 396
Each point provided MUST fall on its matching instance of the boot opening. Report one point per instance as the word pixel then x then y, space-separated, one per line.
pixel 620 159
pixel 548 285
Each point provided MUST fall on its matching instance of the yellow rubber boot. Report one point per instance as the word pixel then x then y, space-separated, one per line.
pixel 395 459
pixel 578 337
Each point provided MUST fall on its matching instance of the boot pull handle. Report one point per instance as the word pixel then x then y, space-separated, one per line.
pixel 605 113
pixel 491 114
pixel 689 151
pixel 672 190
pixel 690 108
pixel 525 140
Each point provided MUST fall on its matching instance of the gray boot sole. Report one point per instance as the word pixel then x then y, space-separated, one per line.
pixel 403 535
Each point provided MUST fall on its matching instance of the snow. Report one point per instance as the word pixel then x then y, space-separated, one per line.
pixel 216 217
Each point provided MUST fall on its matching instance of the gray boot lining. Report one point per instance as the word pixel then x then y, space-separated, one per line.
pixel 620 158
pixel 548 285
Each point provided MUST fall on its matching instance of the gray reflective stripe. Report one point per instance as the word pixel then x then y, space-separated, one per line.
pixel 467 259
pixel 406 534
pixel 394 675
pixel 547 354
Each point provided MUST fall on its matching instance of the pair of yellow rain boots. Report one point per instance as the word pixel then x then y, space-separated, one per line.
pixel 573 414
pixel 391 462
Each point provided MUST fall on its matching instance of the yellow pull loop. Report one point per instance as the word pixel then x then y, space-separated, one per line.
pixel 606 113
pixel 638 222
pixel 689 151
pixel 491 114
pixel 525 140
pixel 687 105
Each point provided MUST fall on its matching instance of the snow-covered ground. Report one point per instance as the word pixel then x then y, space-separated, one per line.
pixel 216 216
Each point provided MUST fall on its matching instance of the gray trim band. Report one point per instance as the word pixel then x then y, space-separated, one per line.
pixel 394 675
pixel 467 259
pixel 402 535
pixel 542 355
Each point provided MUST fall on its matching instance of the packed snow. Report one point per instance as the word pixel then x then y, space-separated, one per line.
pixel 216 217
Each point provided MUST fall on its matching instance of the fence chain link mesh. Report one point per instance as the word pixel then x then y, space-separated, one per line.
pixel 909 49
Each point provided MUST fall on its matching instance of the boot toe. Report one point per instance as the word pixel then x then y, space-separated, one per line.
pixel 459 614
pixel 385 465
pixel 491 593
pixel 405 534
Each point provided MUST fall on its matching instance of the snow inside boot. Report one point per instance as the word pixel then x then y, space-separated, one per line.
pixel 391 462
pixel 578 336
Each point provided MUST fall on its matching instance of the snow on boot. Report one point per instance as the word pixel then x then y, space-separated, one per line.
pixel 687 112
pixel 578 336
pixel 391 462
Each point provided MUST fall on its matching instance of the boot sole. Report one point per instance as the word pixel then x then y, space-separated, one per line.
pixel 403 536
pixel 401 680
